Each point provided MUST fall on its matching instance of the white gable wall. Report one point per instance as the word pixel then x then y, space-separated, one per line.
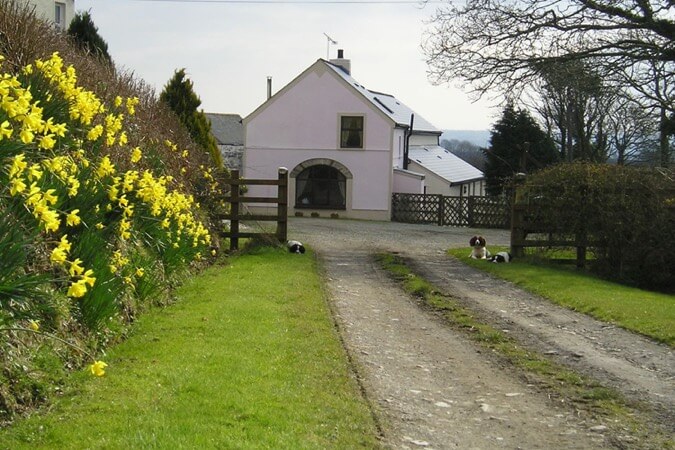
pixel 46 9
pixel 302 122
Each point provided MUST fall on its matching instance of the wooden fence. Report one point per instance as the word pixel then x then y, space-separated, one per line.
pixel 526 231
pixel 531 227
pixel 236 200
pixel 480 212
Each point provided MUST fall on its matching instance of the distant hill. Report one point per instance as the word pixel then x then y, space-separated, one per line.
pixel 480 138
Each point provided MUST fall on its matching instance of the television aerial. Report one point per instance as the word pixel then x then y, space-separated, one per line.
pixel 329 41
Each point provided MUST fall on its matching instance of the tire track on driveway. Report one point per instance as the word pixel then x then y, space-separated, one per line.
pixel 432 387
pixel 642 369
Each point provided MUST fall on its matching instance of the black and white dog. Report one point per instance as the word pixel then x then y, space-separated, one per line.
pixel 501 257
pixel 295 247
pixel 478 251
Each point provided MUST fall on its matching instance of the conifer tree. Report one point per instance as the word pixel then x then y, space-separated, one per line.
pixel 517 144
pixel 179 95
pixel 85 33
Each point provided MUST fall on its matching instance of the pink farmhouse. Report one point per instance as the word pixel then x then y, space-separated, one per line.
pixel 344 147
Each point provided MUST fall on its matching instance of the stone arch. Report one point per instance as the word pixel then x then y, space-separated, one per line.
pixel 322 162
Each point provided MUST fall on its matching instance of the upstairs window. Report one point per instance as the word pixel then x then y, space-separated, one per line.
pixel 60 15
pixel 351 132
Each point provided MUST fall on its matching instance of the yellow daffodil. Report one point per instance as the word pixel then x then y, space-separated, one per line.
pixel 16 186
pixel 34 325
pixel 136 155
pixel 47 142
pixel 95 133
pixel 98 368
pixel 58 256
pixel 131 103
pixel 26 135
pixel 49 218
pixel 88 278
pixel 64 244
pixel 140 272
pixel 105 167
pixel 73 219
pixel 73 186
pixel 5 130
pixel 77 289
pixel 34 172
pixel 75 268
pixel 49 197
pixel 19 164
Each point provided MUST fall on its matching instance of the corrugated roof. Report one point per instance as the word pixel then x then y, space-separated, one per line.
pixel 443 163
pixel 387 103
pixel 227 128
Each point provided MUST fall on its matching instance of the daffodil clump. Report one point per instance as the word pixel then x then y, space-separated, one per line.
pixel 71 179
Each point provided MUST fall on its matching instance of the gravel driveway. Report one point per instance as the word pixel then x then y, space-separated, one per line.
pixel 430 387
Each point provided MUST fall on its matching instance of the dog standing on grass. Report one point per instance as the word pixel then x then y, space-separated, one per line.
pixel 478 250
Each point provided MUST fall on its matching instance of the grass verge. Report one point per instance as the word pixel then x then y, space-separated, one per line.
pixel 649 313
pixel 560 383
pixel 247 358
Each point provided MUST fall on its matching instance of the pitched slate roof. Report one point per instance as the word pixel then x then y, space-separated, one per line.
pixel 387 103
pixel 226 128
pixel 444 164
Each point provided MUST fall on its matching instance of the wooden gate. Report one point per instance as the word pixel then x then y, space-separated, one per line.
pixel 236 200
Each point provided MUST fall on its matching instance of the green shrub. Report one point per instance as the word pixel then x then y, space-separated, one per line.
pixel 626 214
pixel 98 182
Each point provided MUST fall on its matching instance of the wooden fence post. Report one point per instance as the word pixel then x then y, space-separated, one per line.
pixel 441 210
pixel 517 218
pixel 471 204
pixel 234 210
pixel 282 206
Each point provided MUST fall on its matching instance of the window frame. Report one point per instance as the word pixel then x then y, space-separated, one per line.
pixel 339 182
pixel 60 15
pixel 346 129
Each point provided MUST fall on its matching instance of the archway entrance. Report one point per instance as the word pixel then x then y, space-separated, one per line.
pixel 320 187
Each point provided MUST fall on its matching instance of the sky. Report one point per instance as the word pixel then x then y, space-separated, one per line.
pixel 229 50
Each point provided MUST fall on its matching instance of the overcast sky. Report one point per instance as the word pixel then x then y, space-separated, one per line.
pixel 229 50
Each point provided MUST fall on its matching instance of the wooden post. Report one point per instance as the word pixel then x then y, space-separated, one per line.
pixel 470 205
pixel 234 210
pixel 581 249
pixel 441 210
pixel 282 206
pixel 517 218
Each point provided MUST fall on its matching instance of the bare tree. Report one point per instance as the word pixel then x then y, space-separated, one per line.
pixel 633 132
pixel 498 45
pixel 572 100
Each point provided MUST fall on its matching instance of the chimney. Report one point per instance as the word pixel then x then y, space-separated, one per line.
pixel 343 63
pixel 269 88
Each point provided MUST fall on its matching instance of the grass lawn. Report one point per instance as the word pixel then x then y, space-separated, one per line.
pixel 645 312
pixel 247 358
